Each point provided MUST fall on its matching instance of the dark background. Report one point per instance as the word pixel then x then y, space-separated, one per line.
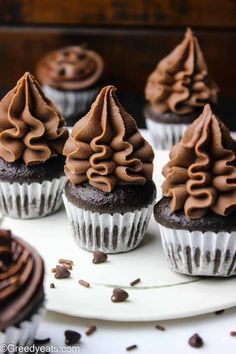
pixel 131 35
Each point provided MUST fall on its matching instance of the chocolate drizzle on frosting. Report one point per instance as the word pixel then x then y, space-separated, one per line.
pixel 70 68
pixel 106 148
pixel 201 173
pixel 31 127
pixel 180 83
pixel 21 279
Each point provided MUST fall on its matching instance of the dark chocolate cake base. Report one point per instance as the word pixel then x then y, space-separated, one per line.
pixel 122 199
pixel 18 171
pixel 178 220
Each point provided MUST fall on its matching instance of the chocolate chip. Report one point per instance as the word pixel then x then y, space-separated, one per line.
pixel 84 283
pixel 160 328
pixel 233 333
pixel 219 312
pixel 135 282
pixel 61 272
pixel 99 257
pixel 131 347
pixel 42 341
pixel 90 330
pixel 195 341
pixel 72 337
pixel 52 285
pixel 119 295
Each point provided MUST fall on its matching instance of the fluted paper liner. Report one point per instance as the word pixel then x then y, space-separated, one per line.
pixel 24 333
pixel 33 200
pixel 71 103
pixel 164 136
pixel 110 233
pixel 200 253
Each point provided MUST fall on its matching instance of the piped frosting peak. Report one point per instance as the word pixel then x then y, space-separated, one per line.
pixel 201 173
pixel 180 83
pixel 106 148
pixel 31 127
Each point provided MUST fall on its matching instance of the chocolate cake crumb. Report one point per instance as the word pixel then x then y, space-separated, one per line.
pixel 119 295
pixel 52 285
pixel 42 341
pixel 233 333
pixel 53 270
pixel 195 341
pixel 99 257
pixel 135 282
pixel 219 312
pixel 61 272
pixel 160 328
pixel 131 347
pixel 72 337
pixel 68 261
pixel 90 330
pixel 84 283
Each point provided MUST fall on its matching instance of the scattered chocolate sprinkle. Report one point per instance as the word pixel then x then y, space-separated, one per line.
pixel 67 266
pixel 42 341
pixel 52 285
pixel 160 328
pixel 233 333
pixel 61 272
pixel 84 283
pixel 90 330
pixel 72 337
pixel 195 341
pixel 131 347
pixel 219 312
pixel 119 295
pixel 53 270
pixel 135 282
pixel 68 261
pixel 99 257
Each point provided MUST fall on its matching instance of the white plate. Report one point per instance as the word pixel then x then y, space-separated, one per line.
pixel 161 294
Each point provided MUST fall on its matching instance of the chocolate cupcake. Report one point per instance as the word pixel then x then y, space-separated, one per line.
pixel 21 290
pixel 197 215
pixel 32 137
pixel 176 92
pixel 110 193
pixel 71 79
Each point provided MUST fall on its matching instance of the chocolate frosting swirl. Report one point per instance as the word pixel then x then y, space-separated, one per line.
pixel 21 280
pixel 180 83
pixel 106 148
pixel 70 68
pixel 201 173
pixel 31 127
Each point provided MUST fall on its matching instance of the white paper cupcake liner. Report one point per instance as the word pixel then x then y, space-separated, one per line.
pixel 24 333
pixel 33 200
pixel 71 103
pixel 200 253
pixel 109 233
pixel 164 136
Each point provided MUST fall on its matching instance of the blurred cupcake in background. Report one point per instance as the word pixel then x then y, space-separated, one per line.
pixel 71 78
pixel 32 137
pixel 110 194
pixel 197 214
pixel 21 290
pixel 176 92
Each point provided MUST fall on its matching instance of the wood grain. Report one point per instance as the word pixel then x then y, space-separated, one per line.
pixel 130 56
pixel 171 13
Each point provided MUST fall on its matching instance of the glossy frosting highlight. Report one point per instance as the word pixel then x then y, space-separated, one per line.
pixel 31 127
pixel 70 68
pixel 180 83
pixel 106 148
pixel 201 173
pixel 21 279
